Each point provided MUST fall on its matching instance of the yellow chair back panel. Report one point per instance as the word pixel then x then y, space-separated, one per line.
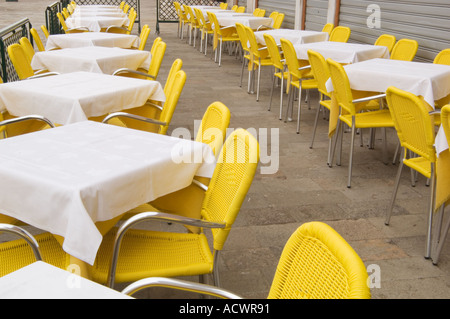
pixel 405 50
pixel 340 34
pixel 445 120
pixel 176 66
pixel 233 175
pixel 386 40
pixel 212 130
pixel 157 58
pixel 274 52
pixel 20 61
pixel 413 124
pixel 37 39
pixel 320 70
pixel 172 100
pixel 278 21
pixel 341 86
pixel 328 28
pixel 317 263
pixel 443 57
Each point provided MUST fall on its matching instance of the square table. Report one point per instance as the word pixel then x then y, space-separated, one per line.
pixel 40 280
pixel 74 97
pixel 342 52
pixel 86 39
pixel 295 36
pixel 66 179
pixel 91 59
pixel 96 23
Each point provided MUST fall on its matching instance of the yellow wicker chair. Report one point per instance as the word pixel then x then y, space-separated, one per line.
pixel 139 118
pixel 62 21
pixel 16 254
pixel 182 18
pixel 349 114
pixel 131 254
pixel 205 27
pixel 415 131
pixel 259 57
pixel 125 30
pixel 187 201
pixel 321 73
pixel 221 34
pixel 246 57
pixel 300 77
pixel 405 50
pixel 386 40
pixel 279 68
pixel 340 34
pixel 234 7
pixel 143 37
pixel 443 57
pixel 240 9
pixel 223 5
pixel 316 263
pixel 328 28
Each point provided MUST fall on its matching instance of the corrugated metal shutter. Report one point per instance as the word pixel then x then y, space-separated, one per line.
pixel 425 21
pixel 316 14
pixel 242 3
pixel 284 6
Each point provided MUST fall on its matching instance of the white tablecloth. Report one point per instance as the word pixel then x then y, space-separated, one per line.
pixel 65 179
pixel 40 280
pixel 342 52
pixel 86 39
pixel 74 97
pixel 440 142
pixel 432 81
pixel 96 23
pixel 91 59
pixel 295 36
pixel 99 13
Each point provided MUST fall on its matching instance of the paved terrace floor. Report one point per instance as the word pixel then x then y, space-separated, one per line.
pixel 303 188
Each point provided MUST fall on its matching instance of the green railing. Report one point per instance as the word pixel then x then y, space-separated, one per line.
pixel 8 36
pixel 166 13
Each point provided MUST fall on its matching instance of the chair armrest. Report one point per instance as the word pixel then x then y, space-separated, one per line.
pixel 159 107
pixel 150 216
pixel 434 112
pixel 117 27
pixel 201 185
pixel 180 285
pixel 262 48
pixel 369 98
pixel 40 75
pixel 304 68
pixel 79 28
pixel 27 118
pixel 132 116
pixel 12 229
pixel 118 71
pixel 263 26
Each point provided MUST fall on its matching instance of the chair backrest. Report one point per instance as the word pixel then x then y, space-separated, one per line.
pixel 240 9
pixel 253 44
pixel 132 17
pixel 242 33
pixel 387 40
pixel 121 5
pixel 443 57
pixel 37 39
pixel 328 28
pixel 340 34
pixel 234 8
pixel 320 70
pixel 231 180
pixel 413 124
pixel 317 263
pixel 292 62
pixel 212 130
pixel 259 12
pixel 143 37
pixel 274 51
pixel 213 19
pixel 176 66
pixel 62 21
pixel 65 13
pixel 404 49
pixel 273 15
pixel 157 58
pixel 341 86
pixel 201 19
pixel 180 12
pixel 27 47
pixel 223 5
pixel 45 31
pixel 126 7
pixel 155 45
pixel 278 21
pixel 190 15
pixel 172 100
pixel 445 120
pixel 20 61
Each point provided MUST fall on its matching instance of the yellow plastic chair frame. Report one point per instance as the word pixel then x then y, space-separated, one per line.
pixel 415 131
